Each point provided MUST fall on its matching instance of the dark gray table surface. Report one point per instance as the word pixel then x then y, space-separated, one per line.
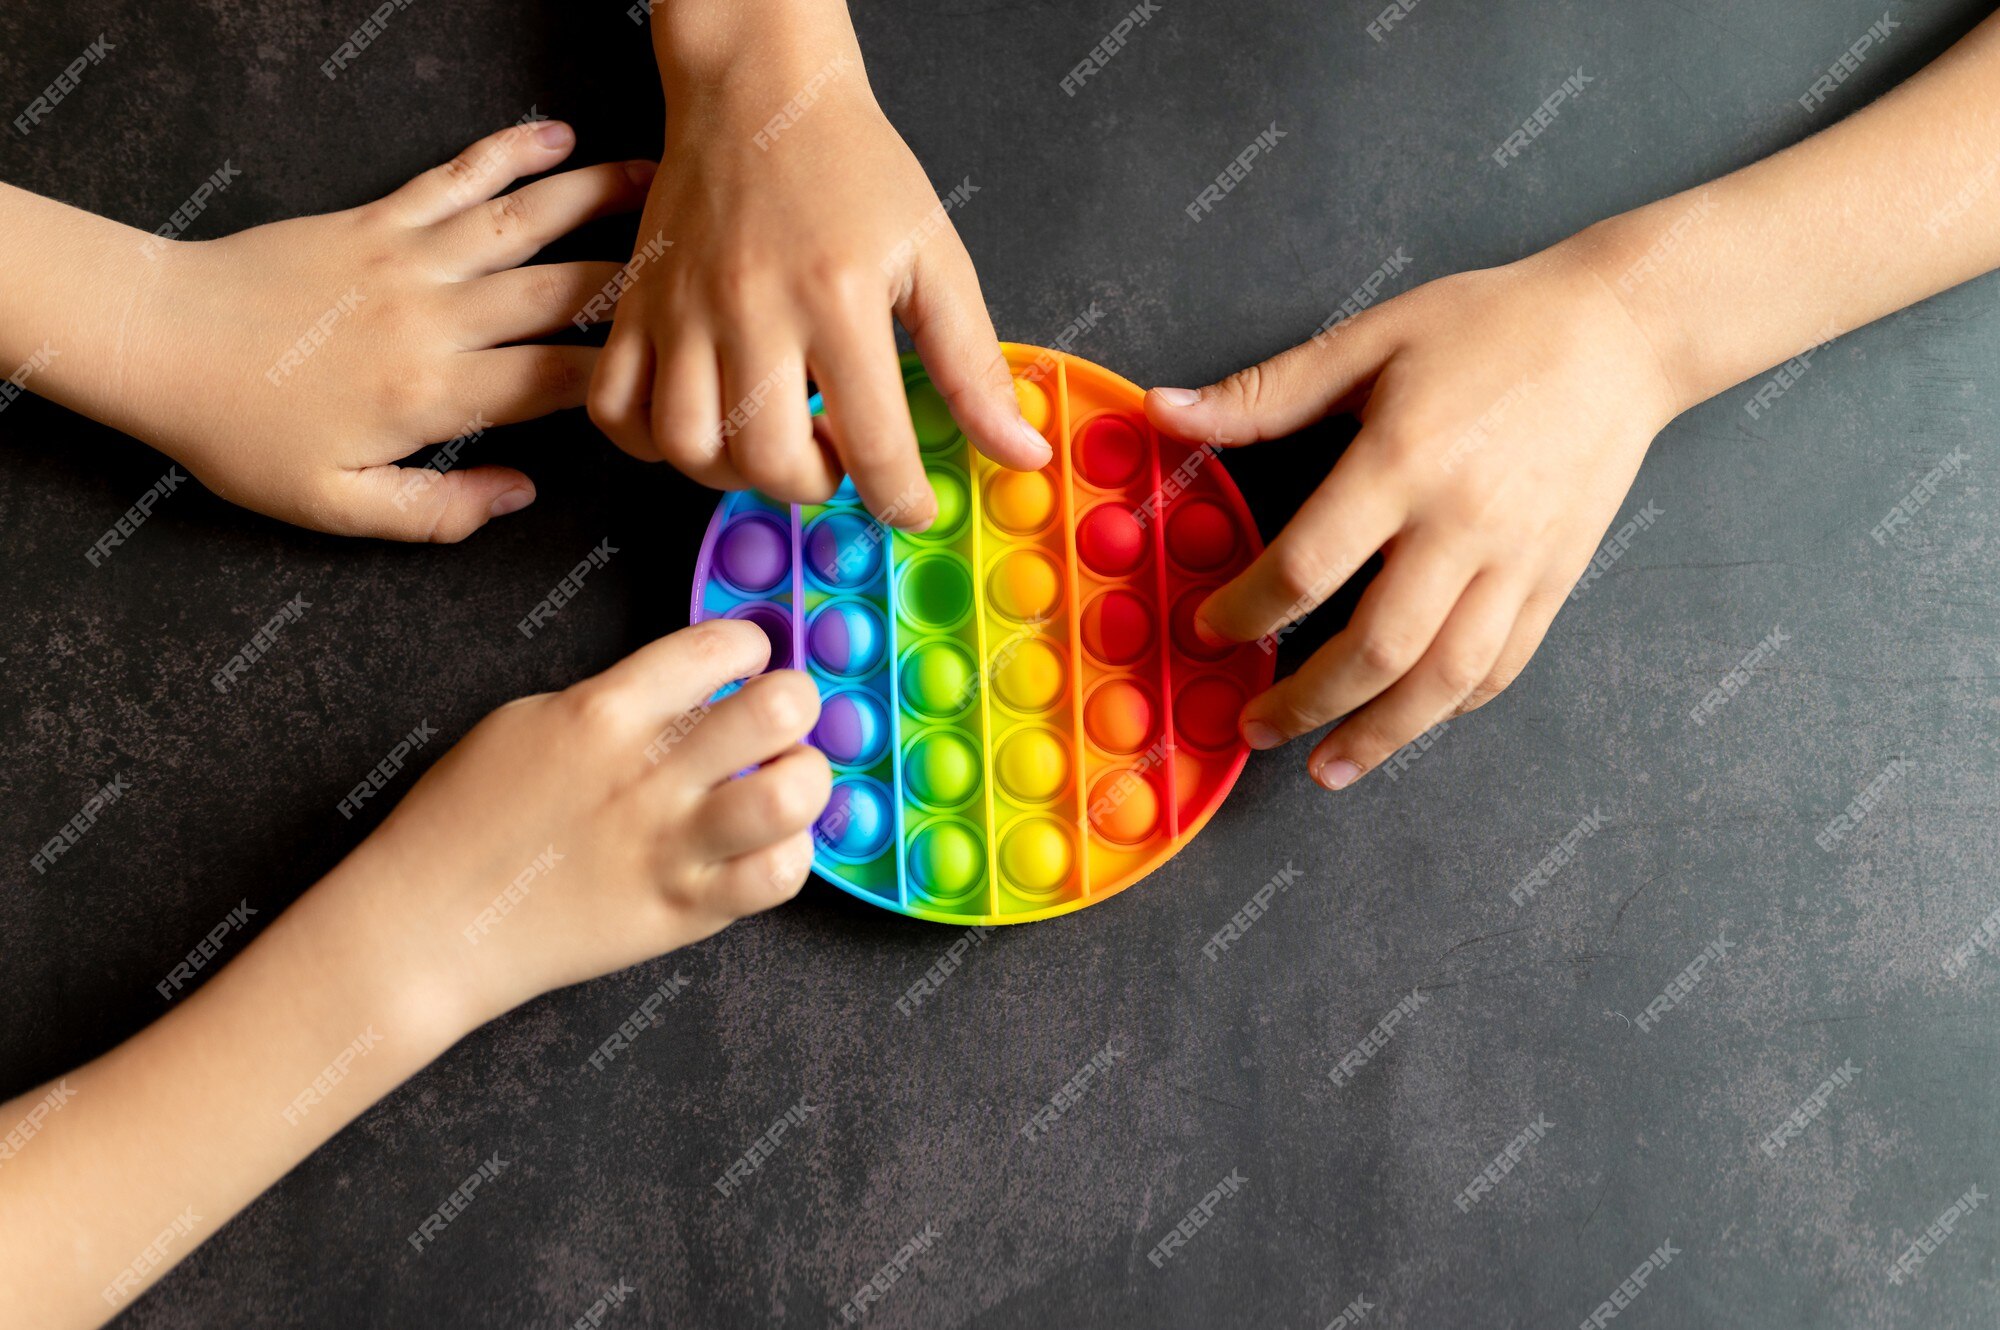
pixel 1707 831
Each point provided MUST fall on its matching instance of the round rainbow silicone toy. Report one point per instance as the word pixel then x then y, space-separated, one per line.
pixel 1019 716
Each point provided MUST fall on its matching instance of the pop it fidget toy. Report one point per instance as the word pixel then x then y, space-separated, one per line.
pixel 1019 716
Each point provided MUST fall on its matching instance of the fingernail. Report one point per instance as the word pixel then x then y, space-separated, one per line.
pixel 1179 396
pixel 513 501
pixel 1261 736
pixel 642 173
pixel 1207 634
pixel 1034 436
pixel 555 134
pixel 1337 774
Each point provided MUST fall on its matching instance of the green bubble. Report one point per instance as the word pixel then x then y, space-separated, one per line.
pixel 943 769
pixel 947 860
pixel 938 679
pixel 951 501
pixel 930 415
pixel 936 591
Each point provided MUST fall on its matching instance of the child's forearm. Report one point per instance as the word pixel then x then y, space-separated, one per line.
pixel 150 1149
pixel 1894 204
pixel 73 307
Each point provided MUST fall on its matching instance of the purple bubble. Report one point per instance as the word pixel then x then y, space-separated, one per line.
pixel 845 638
pixel 753 554
pixel 852 730
pixel 777 626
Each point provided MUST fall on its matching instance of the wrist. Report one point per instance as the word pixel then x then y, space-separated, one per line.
pixel 747 60
pixel 1630 258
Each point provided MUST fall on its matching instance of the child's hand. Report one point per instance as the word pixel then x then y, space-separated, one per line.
pixel 576 833
pixel 1504 415
pixel 798 220
pixel 290 366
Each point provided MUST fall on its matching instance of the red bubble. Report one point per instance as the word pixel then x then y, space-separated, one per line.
pixel 1117 627
pixel 1182 622
pixel 1109 452
pixel 1110 540
pixel 1205 712
pixel 1201 535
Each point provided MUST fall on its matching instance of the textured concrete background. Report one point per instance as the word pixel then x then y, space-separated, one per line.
pixel 1710 832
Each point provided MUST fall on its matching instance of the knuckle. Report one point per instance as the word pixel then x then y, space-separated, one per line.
pixel 1300 575
pixel 548 288
pixel 558 375
pixel 1385 651
pixel 463 169
pixel 1460 672
pixel 509 212
pixel 1249 387
pixel 603 710
pixel 776 709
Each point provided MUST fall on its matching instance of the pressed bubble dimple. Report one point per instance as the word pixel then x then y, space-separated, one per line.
pixel 1032 765
pixel 1117 627
pixel 936 590
pixel 844 550
pixel 1205 712
pixel 845 637
pixel 754 554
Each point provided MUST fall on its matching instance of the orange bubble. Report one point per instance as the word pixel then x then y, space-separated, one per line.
pixel 1020 502
pixel 1124 807
pixel 1119 716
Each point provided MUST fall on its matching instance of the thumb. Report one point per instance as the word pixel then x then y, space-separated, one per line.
pixel 418 503
pixel 1280 396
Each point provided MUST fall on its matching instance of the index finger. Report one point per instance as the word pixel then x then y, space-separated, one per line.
pixel 861 380
pixel 1344 521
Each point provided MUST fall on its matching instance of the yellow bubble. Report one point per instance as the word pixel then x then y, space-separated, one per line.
pixel 1031 676
pixel 1034 403
pixel 1024 585
pixel 1032 765
pixel 1036 856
